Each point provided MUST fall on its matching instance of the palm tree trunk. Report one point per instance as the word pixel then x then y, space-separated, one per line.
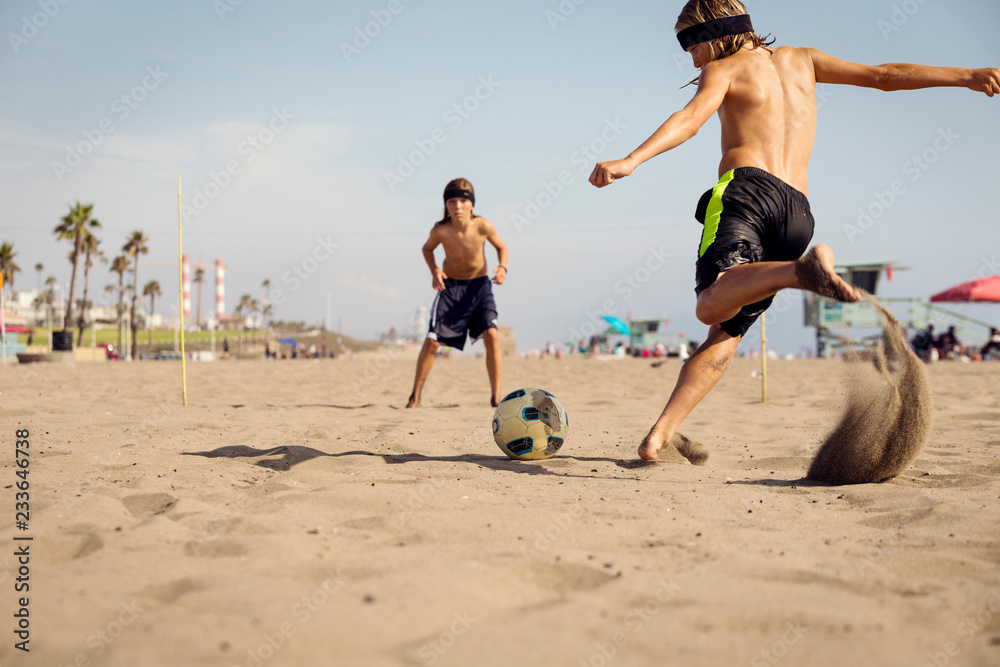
pixel 149 323
pixel 121 307
pixel 201 291
pixel 77 244
pixel 133 324
pixel 81 323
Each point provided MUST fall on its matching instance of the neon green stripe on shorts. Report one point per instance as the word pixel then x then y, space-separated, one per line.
pixel 714 212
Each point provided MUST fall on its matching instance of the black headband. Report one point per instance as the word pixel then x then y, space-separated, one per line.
pixel 459 193
pixel 709 30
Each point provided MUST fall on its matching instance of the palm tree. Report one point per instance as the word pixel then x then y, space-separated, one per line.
pixel 39 268
pixel 243 307
pixel 50 296
pixel 119 265
pixel 36 305
pixel 135 246
pixel 152 290
pixel 7 266
pixel 199 277
pixel 92 254
pixel 266 301
pixel 73 227
pixel 267 312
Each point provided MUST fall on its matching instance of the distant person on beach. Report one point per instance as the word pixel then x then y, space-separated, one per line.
pixel 992 347
pixel 949 346
pixel 464 303
pixel 924 344
pixel 757 220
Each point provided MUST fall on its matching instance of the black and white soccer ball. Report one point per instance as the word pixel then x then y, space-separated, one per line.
pixel 530 424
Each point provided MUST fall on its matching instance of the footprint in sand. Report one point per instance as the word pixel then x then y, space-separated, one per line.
pixel 74 543
pixel 173 591
pixel 145 505
pixel 366 523
pixel 215 549
pixel 900 519
pixel 563 578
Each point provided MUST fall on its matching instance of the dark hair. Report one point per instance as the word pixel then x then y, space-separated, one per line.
pixel 456 184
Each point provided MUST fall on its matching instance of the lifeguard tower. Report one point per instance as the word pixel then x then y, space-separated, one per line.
pixel 838 324
pixel 828 315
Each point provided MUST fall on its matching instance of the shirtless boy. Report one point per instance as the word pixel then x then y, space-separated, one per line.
pixel 757 222
pixel 464 303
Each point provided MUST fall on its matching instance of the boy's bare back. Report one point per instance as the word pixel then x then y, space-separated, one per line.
pixel 768 112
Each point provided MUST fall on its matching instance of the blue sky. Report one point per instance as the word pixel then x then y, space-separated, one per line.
pixel 314 140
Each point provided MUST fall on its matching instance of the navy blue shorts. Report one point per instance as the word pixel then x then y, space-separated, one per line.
pixel 464 307
pixel 750 216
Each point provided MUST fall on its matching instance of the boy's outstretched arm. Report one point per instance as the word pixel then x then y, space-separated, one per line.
pixel 681 126
pixel 902 76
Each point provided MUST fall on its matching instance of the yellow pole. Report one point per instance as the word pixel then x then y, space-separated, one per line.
pixel 180 291
pixel 763 361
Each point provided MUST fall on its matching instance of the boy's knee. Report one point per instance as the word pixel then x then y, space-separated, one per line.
pixel 705 312
pixel 491 336
pixel 432 344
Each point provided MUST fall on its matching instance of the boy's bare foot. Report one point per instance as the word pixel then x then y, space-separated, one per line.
pixel 680 449
pixel 654 449
pixel 414 401
pixel 494 401
pixel 815 272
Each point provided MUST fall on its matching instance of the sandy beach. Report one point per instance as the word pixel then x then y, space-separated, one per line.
pixel 294 513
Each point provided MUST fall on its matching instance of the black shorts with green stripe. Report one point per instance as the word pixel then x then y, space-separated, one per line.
pixel 750 216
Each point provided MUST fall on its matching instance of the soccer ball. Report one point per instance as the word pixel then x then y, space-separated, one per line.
pixel 530 424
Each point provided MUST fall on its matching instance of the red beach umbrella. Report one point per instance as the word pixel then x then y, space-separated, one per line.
pixel 984 289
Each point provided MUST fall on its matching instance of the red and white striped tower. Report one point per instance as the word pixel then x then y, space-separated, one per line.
pixel 186 286
pixel 220 289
